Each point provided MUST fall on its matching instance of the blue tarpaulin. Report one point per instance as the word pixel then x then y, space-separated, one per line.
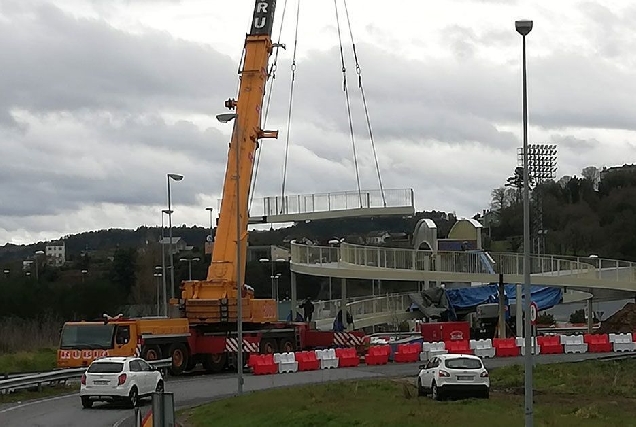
pixel 465 298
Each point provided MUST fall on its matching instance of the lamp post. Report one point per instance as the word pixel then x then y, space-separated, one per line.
pixel 163 264
pixel 159 275
pixel 211 220
pixel 175 177
pixel 275 278
pixel 226 118
pixel 273 275
pixel 524 28
pixel 37 262
pixel 189 260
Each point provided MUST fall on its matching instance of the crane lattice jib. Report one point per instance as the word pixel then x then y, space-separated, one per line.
pixel 226 259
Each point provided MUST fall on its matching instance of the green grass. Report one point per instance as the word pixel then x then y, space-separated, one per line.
pixel 588 394
pixel 41 360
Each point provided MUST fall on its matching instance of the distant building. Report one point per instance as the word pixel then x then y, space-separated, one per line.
pixel 624 168
pixel 178 244
pixel 55 253
pixel 270 252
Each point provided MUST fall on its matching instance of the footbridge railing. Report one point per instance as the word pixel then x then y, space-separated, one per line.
pixel 580 271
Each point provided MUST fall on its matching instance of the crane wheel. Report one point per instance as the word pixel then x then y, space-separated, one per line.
pixel 179 355
pixel 286 345
pixel 214 362
pixel 151 352
pixel 268 346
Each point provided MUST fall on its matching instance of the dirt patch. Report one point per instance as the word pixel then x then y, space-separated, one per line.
pixel 623 321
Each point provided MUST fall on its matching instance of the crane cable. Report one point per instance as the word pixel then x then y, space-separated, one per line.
pixel 289 111
pixel 346 91
pixel 364 102
pixel 272 77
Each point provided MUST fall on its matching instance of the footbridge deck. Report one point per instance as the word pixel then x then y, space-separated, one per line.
pixel 304 207
pixel 581 277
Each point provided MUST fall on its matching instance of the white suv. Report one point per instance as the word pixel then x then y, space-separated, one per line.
pixel 119 379
pixel 453 374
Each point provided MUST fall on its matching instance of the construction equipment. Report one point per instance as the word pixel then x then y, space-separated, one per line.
pixel 204 328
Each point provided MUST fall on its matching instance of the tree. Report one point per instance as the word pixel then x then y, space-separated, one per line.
pixel 545 319
pixel 123 269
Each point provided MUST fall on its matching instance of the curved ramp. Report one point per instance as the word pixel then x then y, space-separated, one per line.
pixel 369 262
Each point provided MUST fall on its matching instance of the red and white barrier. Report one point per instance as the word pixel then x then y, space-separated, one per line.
pixel 262 364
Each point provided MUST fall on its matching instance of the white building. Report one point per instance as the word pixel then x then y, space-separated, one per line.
pixel 55 253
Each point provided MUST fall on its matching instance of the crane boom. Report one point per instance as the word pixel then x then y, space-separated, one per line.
pixel 214 299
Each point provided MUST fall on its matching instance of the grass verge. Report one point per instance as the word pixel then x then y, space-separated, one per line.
pixel 40 360
pixel 587 394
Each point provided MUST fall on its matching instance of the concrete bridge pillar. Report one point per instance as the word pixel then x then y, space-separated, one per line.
pixel 343 303
pixel 294 297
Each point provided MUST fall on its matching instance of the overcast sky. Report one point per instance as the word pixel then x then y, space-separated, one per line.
pixel 100 99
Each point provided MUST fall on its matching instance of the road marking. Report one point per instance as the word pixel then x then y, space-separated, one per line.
pixel 34 402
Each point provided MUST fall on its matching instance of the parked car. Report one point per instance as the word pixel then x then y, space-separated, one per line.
pixel 124 379
pixel 449 375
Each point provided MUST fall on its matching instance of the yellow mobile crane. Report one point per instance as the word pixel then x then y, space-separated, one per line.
pixel 214 300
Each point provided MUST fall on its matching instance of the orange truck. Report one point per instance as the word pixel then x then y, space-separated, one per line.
pixel 203 327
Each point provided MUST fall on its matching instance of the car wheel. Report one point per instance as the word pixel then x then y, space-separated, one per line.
pixel 133 398
pixel 435 392
pixel 420 389
pixel 87 402
pixel 159 388
pixel 486 394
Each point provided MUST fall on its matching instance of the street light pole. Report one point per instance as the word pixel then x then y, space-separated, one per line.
pixel 163 265
pixel 176 177
pixel 37 266
pixel 189 260
pixel 524 28
pixel 159 275
pixel 224 118
pixel 211 219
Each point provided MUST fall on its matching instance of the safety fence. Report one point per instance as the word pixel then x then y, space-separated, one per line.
pixel 38 380
pixel 419 350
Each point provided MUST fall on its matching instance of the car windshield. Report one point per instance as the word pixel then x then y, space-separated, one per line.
pixel 89 336
pixel 463 363
pixel 105 368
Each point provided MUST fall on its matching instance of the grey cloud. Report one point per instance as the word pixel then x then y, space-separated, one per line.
pixel 573 143
pixel 54 62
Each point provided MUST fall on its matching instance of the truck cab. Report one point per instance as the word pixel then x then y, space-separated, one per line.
pixel 83 342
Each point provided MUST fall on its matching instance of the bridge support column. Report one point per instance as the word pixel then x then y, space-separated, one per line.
pixel 343 303
pixel 519 311
pixel 294 297
pixel 502 308
pixel 590 316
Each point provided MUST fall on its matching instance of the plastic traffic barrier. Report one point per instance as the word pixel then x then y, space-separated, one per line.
pixel 263 364
pixel 407 353
pixel 550 344
pixel 307 361
pixel 328 359
pixel 622 342
pixel 597 343
pixel 458 347
pixel 286 362
pixel 483 347
pixel 377 355
pixel 505 347
pixel 347 357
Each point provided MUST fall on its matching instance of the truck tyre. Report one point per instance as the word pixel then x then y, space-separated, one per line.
pixel 214 362
pixel 151 352
pixel 286 345
pixel 179 355
pixel 268 346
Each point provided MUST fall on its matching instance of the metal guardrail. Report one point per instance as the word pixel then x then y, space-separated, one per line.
pixel 38 380
pixel 361 306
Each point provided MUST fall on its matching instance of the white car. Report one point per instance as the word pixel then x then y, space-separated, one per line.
pixel 453 374
pixel 124 379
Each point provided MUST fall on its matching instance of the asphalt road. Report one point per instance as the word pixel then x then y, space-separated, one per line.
pixel 66 411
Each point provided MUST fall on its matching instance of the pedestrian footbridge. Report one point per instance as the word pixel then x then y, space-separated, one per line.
pixel 582 277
